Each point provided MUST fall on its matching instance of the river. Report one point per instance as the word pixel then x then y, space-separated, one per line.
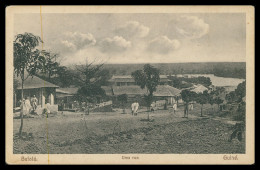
pixel 219 81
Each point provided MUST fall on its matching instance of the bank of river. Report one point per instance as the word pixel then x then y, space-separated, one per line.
pixel 218 81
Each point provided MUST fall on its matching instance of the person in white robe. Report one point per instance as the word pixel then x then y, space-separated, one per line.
pixel 133 108
pixel 174 107
pixel 27 106
pixel 136 108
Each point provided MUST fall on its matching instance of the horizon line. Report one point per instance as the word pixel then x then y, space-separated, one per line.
pixel 184 62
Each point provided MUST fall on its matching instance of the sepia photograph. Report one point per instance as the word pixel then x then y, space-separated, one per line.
pixel 122 85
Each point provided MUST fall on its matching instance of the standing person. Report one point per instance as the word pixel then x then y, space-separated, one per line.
pixel 136 108
pixel 165 105
pixel 191 106
pixel 133 108
pixel 28 106
pixel 174 107
pixel 34 103
pixel 186 109
pixel 62 106
pixel 152 107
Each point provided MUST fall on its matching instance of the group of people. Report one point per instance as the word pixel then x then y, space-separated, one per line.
pixel 135 106
pixel 28 106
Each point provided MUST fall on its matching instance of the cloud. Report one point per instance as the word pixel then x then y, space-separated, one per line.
pixel 115 44
pixel 163 45
pixel 190 27
pixel 90 54
pixel 132 29
pixel 68 44
pixel 73 41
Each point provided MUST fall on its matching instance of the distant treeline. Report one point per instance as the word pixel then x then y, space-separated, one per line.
pixel 182 82
pixel 221 69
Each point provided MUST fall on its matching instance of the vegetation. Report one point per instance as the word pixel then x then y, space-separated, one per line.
pixel 240 92
pixel 222 69
pixel 28 60
pixel 182 82
pixel 123 99
pixel 202 98
pixel 147 78
pixel 89 78
pixel 187 97
pixel 218 101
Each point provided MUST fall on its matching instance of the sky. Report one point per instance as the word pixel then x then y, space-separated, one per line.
pixel 139 38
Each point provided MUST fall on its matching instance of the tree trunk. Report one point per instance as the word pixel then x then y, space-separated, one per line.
pixel 187 108
pixel 201 110
pixel 21 112
pixel 148 118
pixel 184 111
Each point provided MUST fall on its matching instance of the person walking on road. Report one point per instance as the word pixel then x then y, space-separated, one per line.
pixel 174 107
pixel 136 108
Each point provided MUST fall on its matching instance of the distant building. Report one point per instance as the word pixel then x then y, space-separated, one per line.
pixel 163 92
pixel 68 95
pixel 230 88
pixel 128 80
pixel 168 93
pixel 199 88
pixel 44 91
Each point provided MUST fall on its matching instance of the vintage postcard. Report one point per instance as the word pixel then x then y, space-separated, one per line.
pixel 130 85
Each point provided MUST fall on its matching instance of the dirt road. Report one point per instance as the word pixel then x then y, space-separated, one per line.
pixel 113 132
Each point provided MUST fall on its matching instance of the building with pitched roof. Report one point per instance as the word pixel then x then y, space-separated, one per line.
pixel 163 92
pixel 199 88
pixel 43 90
pixel 128 80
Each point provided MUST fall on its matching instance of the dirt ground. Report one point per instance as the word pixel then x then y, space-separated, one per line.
pixel 114 132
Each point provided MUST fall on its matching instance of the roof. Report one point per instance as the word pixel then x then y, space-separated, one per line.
pixel 70 90
pixel 199 88
pixel 129 90
pixel 129 78
pixel 34 82
pixel 122 80
pixel 161 90
pixel 61 95
pixel 166 90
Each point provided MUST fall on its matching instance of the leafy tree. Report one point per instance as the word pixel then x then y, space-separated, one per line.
pixel 15 86
pixel 218 101
pixel 204 81
pixel 241 91
pixel 27 60
pixel 202 99
pixel 123 99
pixel 231 97
pixel 65 77
pixel 51 65
pixel 211 101
pixel 175 82
pixel 219 90
pixel 147 78
pixel 89 79
pixel 187 97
